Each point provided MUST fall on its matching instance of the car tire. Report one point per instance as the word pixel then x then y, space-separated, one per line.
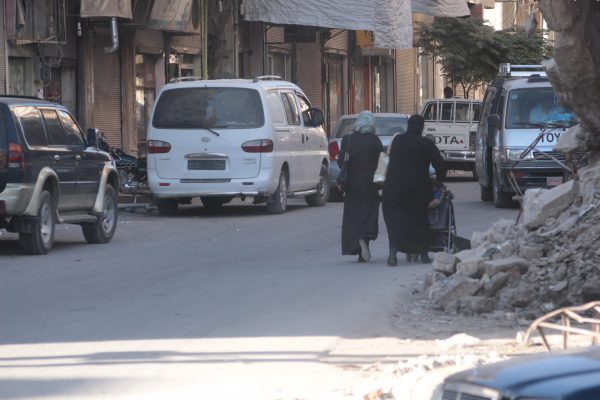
pixel 500 198
pixel 277 203
pixel 214 201
pixel 486 193
pixel 103 230
pixel 475 176
pixel 167 207
pixel 41 239
pixel 319 199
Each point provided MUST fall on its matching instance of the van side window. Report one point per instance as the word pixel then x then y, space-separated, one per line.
pixel 446 111
pixel 33 128
pixel 487 104
pixel 74 136
pixel 54 130
pixel 276 108
pixel 476 112
pixel 305 109
pixel 430 113
pixel 291 109
pixel 462 112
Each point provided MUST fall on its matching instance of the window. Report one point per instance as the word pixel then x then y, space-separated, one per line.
pixel 291 109
pixel 430 113
pixel 384 126
pixel 31 123
pixel 528 108
pixel 54 130
pixel 74 136
pixel 476 112
pixel 276 108
pixel 487 104
pixel 446 111
pixel 462 112
pixel 209 107
pixel 305 110
pixel 279 64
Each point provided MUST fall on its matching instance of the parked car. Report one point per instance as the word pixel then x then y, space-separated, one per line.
pixel 573 375
pixel 387 125
pixel 453 124
pixel 50 173
pixel 220 139
pixel 508 126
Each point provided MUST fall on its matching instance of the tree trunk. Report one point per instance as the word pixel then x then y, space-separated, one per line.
pixel 575 69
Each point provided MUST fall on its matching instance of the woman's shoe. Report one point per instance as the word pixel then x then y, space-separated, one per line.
pixel 425 258
pixel 392 260
pixel 364 250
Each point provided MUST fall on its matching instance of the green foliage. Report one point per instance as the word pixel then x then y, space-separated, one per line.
pixel 470 51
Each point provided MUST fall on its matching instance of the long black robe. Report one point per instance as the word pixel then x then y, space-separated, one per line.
pixel 408 191
pixel 361 199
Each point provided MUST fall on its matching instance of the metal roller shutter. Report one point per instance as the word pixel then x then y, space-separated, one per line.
pixel 189 44
pixel 406 81
pixel 308 56
pixel 149 41
pixel 338 41
pixel 107 89
pixel 2 50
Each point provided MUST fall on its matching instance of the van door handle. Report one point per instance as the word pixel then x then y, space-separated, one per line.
pixel 431 129
pixel 56 157
pixel 282 130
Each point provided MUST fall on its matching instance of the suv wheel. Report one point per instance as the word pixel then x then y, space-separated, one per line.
pixel 104 228
pixel 41 239
pixel 167 206
pixel 486 193
pixel 277 203
pixel 501 199
pixel 320 198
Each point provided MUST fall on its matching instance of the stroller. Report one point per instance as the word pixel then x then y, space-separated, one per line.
pixel 442 222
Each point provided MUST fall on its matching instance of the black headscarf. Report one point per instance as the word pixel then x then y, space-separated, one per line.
pixel 415 124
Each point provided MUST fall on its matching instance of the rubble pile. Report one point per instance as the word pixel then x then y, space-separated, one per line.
pixel 549 259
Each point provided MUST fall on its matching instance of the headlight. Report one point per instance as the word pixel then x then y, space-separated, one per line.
pixel 515 155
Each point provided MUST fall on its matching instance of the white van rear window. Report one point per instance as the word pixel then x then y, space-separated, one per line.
pixel 209 107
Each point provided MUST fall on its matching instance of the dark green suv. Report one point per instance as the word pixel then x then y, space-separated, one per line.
pixel 51 173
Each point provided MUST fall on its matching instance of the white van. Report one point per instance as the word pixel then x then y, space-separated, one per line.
pixel 221 139
pixel 453 124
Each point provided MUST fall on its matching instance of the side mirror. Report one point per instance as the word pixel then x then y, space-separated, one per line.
pixel 318 118
pixel 493 123
pixel 91 137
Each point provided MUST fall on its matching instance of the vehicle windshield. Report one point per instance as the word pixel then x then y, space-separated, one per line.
pixel 385 126
pixel 535 108
pixel 209 107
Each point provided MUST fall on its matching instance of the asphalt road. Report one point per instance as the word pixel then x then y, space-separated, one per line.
pixel 227 304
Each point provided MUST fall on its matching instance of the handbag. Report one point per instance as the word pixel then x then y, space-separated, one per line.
pixel 342 178
pixel 380 172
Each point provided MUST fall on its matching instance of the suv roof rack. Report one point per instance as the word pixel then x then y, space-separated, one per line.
pixel 18 96
pixel 506 69
pixel 267 78
pixel 186 79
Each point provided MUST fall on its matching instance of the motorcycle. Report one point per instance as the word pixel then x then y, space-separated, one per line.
pixel 133 177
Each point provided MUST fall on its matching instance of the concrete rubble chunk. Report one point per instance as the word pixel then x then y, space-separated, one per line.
pixel 531 252
pixel 470 254
pixel 572 140
pixel 459 287
pixel 511 265
pixel 472 268
pixel 496 283
pixel 500 231
pixel 433 277
pixel 538 208
pixel 478 238
pixel 445 263
pixel 476 305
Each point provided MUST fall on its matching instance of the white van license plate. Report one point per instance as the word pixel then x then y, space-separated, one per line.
pixel 206 165
pixel 554 180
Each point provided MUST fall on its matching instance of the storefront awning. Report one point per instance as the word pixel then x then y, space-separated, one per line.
pixel 106 8
pixel 390 20
pixel 181 16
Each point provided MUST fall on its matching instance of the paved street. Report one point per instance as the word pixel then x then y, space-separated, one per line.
pixel 228 304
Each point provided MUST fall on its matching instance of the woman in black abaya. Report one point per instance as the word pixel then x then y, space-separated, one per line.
pixel 407 192
pixel 361 196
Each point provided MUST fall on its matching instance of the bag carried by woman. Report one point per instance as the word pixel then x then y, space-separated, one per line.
pixel 342 178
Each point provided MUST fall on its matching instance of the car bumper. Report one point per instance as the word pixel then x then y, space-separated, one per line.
pixel 262 185
pixel 530 176
pixel 15 198
pixel 334 171
pixel 459 156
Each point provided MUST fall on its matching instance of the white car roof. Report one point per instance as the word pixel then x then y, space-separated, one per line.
pixel 455 99
pixel 240 83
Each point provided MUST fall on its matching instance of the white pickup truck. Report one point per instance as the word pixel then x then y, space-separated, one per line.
pixel 453 124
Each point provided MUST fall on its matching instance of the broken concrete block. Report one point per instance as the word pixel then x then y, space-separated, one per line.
pixel 530 252
pixel 501 231
pixel 459 287
pixel 432 277
pixel 511 265
pixel 476 305
pixel 496 283
pixel 571 141
pixel 538 208
pixel 478 238
pixel 470 254
pixel 445 263
pixel 590 183
pixel 472 268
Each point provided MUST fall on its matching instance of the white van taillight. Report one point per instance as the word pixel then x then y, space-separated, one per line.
pixel 258 146
pixel 158 147
pixel 334 150
pixel 16 157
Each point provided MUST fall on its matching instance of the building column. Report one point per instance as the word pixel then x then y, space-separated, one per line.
pixel 128 122
pixel 85 79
